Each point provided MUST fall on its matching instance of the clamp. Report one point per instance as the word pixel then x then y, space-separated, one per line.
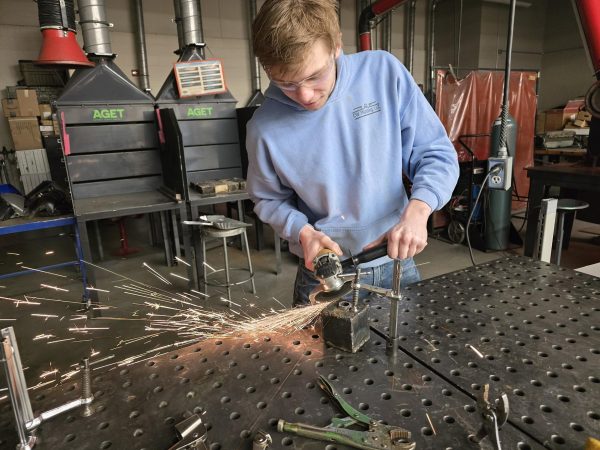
pixel 375 437
pixel 494 416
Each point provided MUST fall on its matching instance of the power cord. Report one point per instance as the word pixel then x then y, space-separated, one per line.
pixel 494 171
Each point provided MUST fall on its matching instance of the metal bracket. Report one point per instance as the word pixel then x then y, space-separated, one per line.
pixel 191 434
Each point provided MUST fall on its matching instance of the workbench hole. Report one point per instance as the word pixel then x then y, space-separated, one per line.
pixel 324 400
pixel 157 389
pixel 247 345
pixel 245 434
pixel 310 385
pixel 106 444
pixel 389 373
pixel 274 380
pixel 557 347
pixel 567 366
pixel 426 402
pixel 153 376
pixel 261 405
pixel 470 408
pixel 545 408
pixel 126 384
pixel 287 441
pixel 405 412
pixel 523 446
pixel 594 416
pixel 455 373
pixel 133 414
pixel 204 360
pixel 576 426
pixel 70 419
pixel 543 354
pixel 256 355
pixel 163 404
pixel 299 411
pixel 70 437
pixel 215 446
pixel 449 419
pixel 217 385
pixel 511 369
pixel 426 431
pixel 179 368
pixel 352 368
pixel 184 381
pixel 594 379
pixel 251 390
pixel 557 439
pixel 368 381
pixel 330 447
pixel 138 432
pixel 198 410
pixel 527 361
pixel 174 356
pixel 472 365
pixel 332 377
pixel 169 421
pixel 242 376
pixel 581 358
pixel 494 378
pixel 528 420
pixel 234 415
pixel 447 392
pixel 150 363
pixel 426 378
pixel 319 364
pixel 307 353
pixel 218 342
pixel 552 374
pixel 385 396
pixel 103 426
pixel 347 390
pixel 286 394
pixel 225 399
pixel 297 372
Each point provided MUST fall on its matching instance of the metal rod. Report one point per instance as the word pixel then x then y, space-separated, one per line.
pixel 141 46
pixel 410 35
pixel 431 50
pixel 394 305
pixel 17 387
pixel 503 152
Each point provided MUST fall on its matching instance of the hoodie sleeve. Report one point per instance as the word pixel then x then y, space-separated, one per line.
pixel 274 203
pixel 429 158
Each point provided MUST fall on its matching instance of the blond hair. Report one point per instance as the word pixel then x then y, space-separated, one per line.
pixel 285 30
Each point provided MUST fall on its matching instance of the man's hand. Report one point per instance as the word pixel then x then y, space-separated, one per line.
pixel 409 236
pixel 312 241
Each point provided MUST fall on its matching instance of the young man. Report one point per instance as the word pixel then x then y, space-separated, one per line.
pixel 328 147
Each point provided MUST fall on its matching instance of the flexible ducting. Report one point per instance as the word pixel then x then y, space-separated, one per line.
pixel 56 14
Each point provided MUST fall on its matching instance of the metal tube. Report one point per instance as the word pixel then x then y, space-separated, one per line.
pixel 386 32
pixel 17 387
pixel 394 305
pixel 141 46
pixel 191 22
pixel 94 27
pixel 410 35
pixel 177 20
pixel 506 99
pixel 431 50
pixel 254 65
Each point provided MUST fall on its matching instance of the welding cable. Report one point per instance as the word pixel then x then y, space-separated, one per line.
pixel 494 171
pixel 57 14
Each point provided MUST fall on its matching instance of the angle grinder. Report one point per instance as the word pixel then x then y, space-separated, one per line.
pixel 329 270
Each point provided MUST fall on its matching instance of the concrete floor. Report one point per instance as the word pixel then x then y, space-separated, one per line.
pixel 50 334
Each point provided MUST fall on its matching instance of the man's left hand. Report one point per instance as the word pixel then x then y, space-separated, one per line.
pixel 409 236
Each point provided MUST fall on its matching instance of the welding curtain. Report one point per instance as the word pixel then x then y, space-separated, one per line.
pixel 470 106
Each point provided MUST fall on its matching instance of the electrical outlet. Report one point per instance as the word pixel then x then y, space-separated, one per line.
pixel 502 179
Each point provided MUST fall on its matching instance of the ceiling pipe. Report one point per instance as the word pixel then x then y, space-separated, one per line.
pixel 410 34
pixel 386 33
pixel 95 28
pixel 431 49
pixel 256 97
pixel 141 47
pixel 368 15
pixel 177 20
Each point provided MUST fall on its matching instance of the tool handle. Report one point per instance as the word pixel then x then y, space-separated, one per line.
pixel 366 256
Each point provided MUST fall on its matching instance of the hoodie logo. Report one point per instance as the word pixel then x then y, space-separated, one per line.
pixel 365 109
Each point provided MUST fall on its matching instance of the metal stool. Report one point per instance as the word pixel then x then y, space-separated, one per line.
pixel 564 206
pixel 213 232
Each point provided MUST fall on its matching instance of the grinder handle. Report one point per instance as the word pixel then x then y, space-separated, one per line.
pixel 366 256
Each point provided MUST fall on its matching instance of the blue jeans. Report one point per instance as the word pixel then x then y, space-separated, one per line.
pixel 380 276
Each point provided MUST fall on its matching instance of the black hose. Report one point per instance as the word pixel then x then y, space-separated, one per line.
pixel 57 14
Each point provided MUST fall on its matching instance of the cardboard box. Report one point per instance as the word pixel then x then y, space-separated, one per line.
pixel 584 115
pixel 554 120
pixel 10 106
pixel 28 103
pixel 45 111
pixel 25 133
pixel 572 108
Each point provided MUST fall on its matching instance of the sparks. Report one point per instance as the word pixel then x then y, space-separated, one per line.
pixel 56 288
pixel 182 261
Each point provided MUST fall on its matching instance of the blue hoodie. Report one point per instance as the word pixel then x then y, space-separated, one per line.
pixel 340 168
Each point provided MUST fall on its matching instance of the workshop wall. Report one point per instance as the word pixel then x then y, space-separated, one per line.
pixel 567 71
